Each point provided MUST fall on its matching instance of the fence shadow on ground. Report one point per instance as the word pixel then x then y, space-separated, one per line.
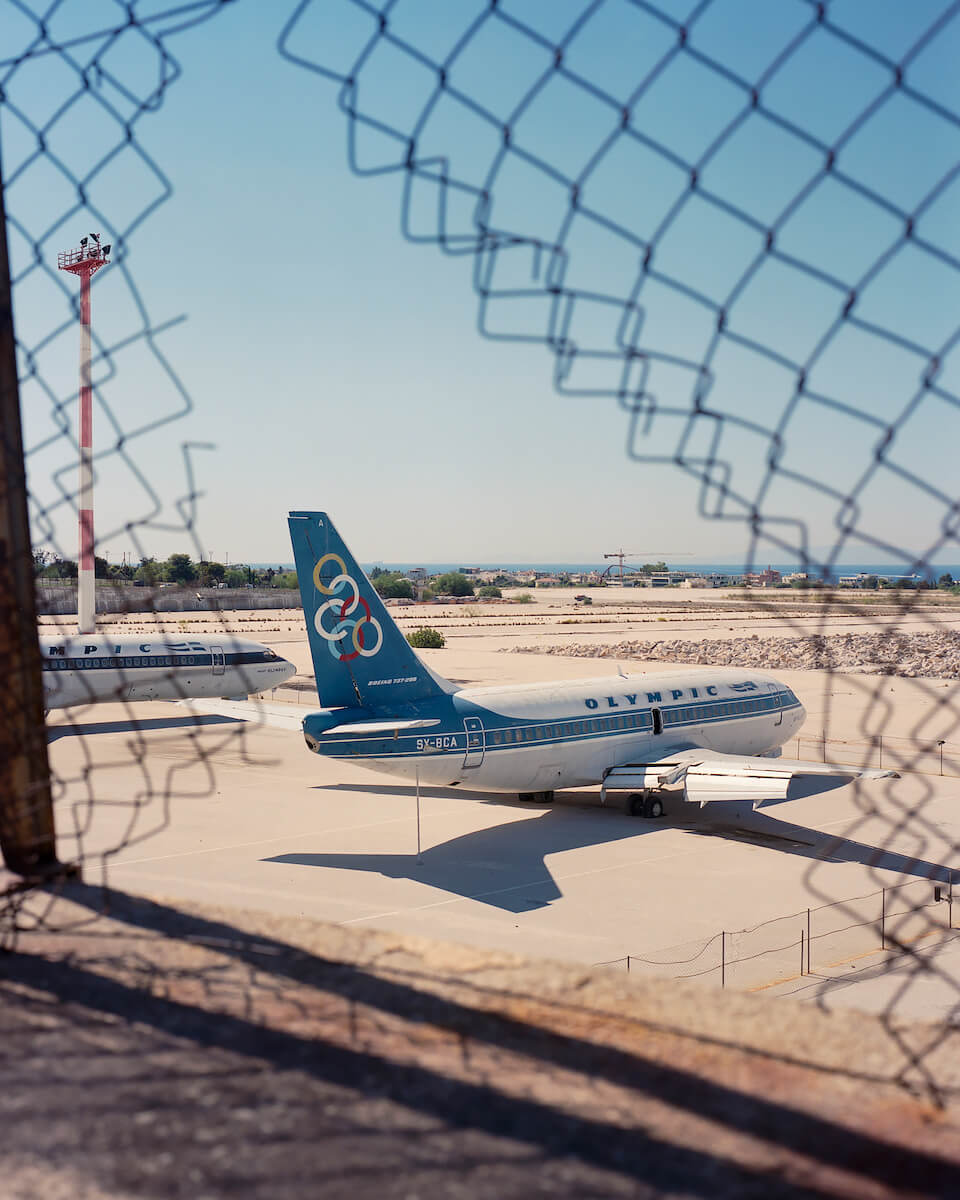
pixel 392 1088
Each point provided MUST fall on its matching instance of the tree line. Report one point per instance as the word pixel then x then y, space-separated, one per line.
pixel 178 569
pixel 391 585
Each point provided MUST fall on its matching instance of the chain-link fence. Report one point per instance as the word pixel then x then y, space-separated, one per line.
pixel 76 91
pixel 698 223
pixel 829 941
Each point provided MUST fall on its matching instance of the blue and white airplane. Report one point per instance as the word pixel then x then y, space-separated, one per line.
pixel 716 732
pixel 87 668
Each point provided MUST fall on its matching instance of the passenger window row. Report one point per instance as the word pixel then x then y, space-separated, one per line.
pixel 538 733
pixel 640 720
pixel 118 663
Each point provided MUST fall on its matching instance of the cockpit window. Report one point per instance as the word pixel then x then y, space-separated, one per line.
pixel 269 655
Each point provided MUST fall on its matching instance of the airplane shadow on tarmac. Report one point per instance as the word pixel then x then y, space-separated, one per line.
pixel 505 866
pixel 502 866
pixel 731 820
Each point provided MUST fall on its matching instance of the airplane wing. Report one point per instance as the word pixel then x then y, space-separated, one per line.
pixel 277 716
pixel 709 775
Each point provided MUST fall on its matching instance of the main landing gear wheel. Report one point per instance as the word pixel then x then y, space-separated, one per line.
pixel 642 804
pixel 537 797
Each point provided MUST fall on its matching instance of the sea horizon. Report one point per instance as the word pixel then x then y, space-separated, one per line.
pixel 572 568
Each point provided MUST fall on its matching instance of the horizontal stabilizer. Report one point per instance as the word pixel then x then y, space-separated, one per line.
pixel 383 726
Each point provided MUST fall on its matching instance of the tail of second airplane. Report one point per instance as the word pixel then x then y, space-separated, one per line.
pixel 360 657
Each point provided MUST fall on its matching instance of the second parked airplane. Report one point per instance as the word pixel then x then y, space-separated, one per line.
pixel 88 668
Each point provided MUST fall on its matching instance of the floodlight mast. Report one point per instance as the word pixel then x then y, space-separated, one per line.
pixel 85 261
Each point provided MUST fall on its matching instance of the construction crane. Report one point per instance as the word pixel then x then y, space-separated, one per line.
pixel 620 555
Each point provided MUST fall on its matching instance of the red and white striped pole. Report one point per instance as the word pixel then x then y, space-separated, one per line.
pixel 85 261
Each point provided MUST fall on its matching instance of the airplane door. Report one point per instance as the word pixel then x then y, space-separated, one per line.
pixel 775 693
pixel 475 741
pixel 218 660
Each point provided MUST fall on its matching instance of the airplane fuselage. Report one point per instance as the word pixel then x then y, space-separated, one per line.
pixel 541 737
pixel 84 669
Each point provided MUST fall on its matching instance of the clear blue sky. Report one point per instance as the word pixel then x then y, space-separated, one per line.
pixel 334 364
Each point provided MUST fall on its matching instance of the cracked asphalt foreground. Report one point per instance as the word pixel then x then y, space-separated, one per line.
pixel 197 1052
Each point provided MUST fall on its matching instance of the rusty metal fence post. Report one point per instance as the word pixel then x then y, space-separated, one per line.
pixel 27 836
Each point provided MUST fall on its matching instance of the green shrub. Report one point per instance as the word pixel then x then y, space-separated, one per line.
pixel 523 598
pixel 426 638
pixel 489 590
pixel 453 584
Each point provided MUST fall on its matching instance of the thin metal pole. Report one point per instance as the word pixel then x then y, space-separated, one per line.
pixel 808 941
pixel 723 959
pixel 86 598
pixel 883 919
pixel 628 964
pixel 801 950
pixel 419 855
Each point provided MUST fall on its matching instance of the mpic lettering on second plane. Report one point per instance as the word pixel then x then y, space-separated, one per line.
pixel 92 668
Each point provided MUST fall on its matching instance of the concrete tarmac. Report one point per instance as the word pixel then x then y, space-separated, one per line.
pixel 207 809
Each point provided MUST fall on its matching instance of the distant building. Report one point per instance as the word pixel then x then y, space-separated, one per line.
pixel 767 578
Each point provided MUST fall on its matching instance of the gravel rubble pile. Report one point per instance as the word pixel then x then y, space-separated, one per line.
pixel 926 655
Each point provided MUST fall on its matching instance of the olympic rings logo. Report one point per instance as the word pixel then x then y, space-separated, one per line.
pixel 345 626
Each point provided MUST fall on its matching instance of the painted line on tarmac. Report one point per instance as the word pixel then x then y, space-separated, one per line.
pixel 185 883
pixel 133 862
pixel 531 884
pixel 314 897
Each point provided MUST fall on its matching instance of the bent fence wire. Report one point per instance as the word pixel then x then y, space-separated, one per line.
pixel 736 227
pixel 76 89
pixel 687 211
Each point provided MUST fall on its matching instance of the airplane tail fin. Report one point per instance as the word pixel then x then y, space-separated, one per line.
pixel 360 657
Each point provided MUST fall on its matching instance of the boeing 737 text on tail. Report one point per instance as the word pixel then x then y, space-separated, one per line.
pixel 716 732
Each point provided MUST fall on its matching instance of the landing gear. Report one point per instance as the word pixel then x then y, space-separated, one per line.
pixel 537 797
pixel 642 804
